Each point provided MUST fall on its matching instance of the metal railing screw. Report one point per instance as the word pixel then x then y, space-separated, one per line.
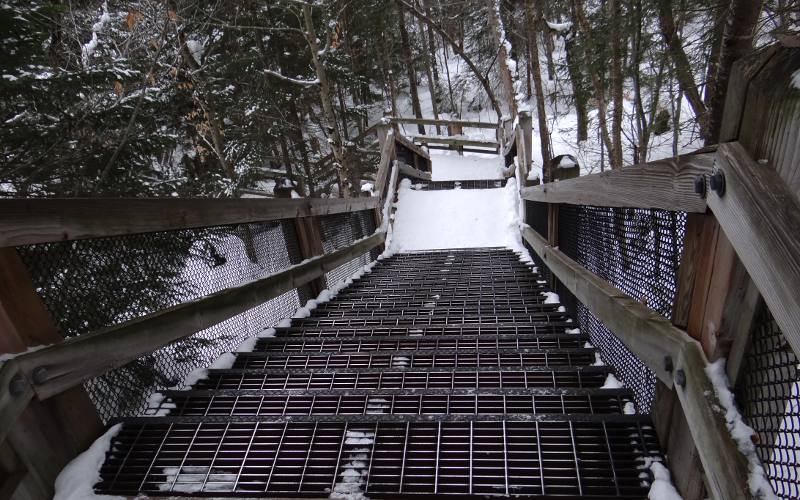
pixel 39 375
pixel 680 378
pixel 17 385
pixel 717 182
pixel 700 185
pixel 668 366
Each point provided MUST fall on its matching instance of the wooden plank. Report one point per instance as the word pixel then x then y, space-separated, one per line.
pixel 387 155
pixel 458 123
pixel 405 141
pixel 69 363
pixel 725 466
pixel 410 171
pixel 666 184
pixel 28 221
pixel 761 218
pixel 651 337
pixel 453 141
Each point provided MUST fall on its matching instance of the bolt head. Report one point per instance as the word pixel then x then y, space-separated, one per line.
pixel 680 378
pixel 717 182
pixel 17 385
pixel 700 185
pixel 39 375
pixel 668 366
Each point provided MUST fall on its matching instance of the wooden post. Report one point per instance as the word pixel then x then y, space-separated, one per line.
pixel 309 242
pixel 51 433
pixel 716 300
pixel 526 145
pixel 552 236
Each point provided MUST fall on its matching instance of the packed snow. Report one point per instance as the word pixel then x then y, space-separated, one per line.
pixel 76 481
pixel 450 166
pixel 661 488
pixel 461 218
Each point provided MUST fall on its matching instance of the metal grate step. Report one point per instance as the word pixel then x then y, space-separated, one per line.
pixel 600 459
pixel 467 184
pixel 438 373
pixel 398 378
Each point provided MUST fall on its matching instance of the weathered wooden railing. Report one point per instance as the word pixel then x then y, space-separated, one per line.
pixel 742 239
pixel 40 389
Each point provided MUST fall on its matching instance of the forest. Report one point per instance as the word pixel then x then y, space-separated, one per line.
pixel 152 98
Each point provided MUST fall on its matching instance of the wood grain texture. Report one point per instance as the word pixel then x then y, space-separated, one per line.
pixel 664 184
pixel 74 360
pixel 29 221
pixel 651 337
pixel 452 141
pixel 647 334
pixel 410 171
pixel 761 218
pixel 387 155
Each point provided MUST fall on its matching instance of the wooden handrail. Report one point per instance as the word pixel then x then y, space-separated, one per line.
pixel 52 370
pixel 760 216
pixel 666 184
pixel 430 121
pixel 453 141
pixel 653 339
pixel 29 221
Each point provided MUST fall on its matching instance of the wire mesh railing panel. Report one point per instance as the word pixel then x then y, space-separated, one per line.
pixel 341 230
pixel 636 250
pixel 768 393
pixel 96 283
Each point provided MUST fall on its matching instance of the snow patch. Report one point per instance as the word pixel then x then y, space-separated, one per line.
pixel 76 481
pixel 612 382
pixel 551 298
pixel 662 488
pixel 741 432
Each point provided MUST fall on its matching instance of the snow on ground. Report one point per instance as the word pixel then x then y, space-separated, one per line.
pixel 459 218
pixel 450 166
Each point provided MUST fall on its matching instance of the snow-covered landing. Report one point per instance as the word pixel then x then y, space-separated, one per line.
pixel 450 166
pixel 458 218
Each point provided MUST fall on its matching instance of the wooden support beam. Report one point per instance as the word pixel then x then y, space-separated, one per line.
pixel 525 144
pixel 28 221
pixel 457 123
pixel 665 184
pixel 67 364
pixel 760 217
pixel 47 435
pixel 384 167
pixel 651 337
pixel 410 171
pixel 453 141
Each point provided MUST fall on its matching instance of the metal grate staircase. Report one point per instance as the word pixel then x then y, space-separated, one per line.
pixel 437 373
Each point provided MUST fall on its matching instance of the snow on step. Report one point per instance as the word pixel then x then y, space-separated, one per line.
pixel 450 166
pixel 462 218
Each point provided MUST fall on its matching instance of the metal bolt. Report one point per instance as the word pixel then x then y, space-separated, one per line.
pixel 39 375
pixel 700 185
pixel 668 364
pixel 680 378
pixel 717 182
pixel 17 385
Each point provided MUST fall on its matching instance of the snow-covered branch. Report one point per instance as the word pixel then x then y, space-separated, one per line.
pixel 305 83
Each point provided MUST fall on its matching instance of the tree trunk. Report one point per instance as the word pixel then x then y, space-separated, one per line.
pixel 325 97
pixel 576 80
pixel 597 81
pixel 493 8
pixel 737 42
pixel 683 70
pixel 429 73
pixel 615 154
pixel 388 76
pixel 487 87
pixel 536 71
pixel 408 60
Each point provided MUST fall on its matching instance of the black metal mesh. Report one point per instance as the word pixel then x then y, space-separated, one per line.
pixel 90 284
pixel 768 393
pixel 636 250
pixel 341 230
